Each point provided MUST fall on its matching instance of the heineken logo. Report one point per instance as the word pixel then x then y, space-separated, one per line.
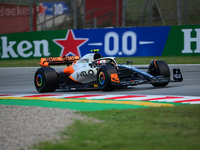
pixel 70 44
pixel 23 48
pixel 14 10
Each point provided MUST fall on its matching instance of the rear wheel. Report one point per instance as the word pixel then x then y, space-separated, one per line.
pixel 104 77
pixel 159 68
pixel 46 80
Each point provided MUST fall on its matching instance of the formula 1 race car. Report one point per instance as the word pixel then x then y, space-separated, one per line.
pixel 94 71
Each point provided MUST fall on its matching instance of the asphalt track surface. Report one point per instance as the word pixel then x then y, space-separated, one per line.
pixel 21 81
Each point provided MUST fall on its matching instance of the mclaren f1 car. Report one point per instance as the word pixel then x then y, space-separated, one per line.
pixel 94 71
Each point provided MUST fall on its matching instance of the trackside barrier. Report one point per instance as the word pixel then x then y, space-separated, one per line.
pixel 117 42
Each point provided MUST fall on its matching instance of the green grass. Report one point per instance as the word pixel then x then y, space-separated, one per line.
pixel 20 63
pixel 160 128
pixel 167 59
pixel 136 61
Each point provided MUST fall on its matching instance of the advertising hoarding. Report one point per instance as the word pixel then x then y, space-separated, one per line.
pixel 116 42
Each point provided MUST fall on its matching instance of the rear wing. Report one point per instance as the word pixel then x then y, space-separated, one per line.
pixel 46 62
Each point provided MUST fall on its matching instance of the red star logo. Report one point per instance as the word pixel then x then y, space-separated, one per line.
pixel 42 9
pixel 70 45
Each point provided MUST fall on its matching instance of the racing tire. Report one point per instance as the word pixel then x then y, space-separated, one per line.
pixel 46 80
pixel 159 68
pixel 104 77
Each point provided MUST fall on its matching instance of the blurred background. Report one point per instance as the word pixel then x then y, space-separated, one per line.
pixel 43 15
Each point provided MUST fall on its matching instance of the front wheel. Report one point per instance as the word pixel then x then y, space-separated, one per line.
pixel 46 80
pixel 104 77
pixel 159 68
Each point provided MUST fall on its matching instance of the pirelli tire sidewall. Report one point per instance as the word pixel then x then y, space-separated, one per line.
pixel 104 77
pixel 46 80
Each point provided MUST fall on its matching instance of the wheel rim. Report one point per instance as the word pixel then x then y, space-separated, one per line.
pixel 39 80
pixel 101 78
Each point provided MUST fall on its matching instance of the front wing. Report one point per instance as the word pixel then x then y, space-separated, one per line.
pixel 146 78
